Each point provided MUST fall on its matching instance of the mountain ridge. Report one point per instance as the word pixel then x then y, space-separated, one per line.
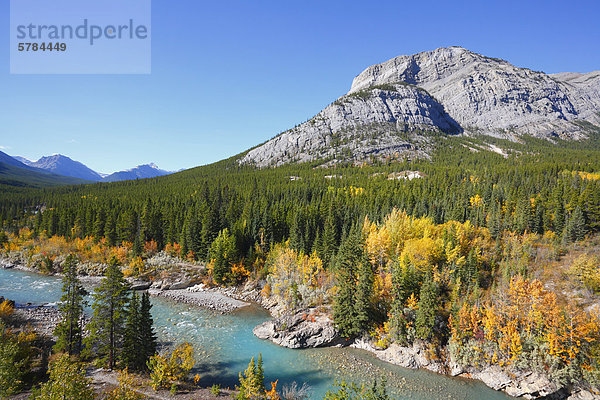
pixel 393 108
pixel 65 166
pixel 142 171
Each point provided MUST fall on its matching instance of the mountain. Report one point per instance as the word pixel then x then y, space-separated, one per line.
pixel 23 160
pixel 8 160
pixel 63 165
pixel 140 172
pixel 394 109
pixel 16 173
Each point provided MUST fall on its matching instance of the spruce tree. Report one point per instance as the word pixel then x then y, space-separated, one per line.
pixel 259 377
pixel 147 335
pixel 130 355
pixel 222 252
pixel 69 329
pixel 329 239
pixel 344 312
pixel 364 295
pixel 106 327
pixel 576 227
pixel 425 321
pixel 247 389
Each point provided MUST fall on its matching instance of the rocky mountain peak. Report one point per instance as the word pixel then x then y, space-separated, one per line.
pixel 392 108
pixel 418 68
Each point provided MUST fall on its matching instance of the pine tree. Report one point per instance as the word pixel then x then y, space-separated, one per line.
pixel 377 391
pixel 130 355
pixel 344 312
pixel 576 227
pixel 106 326
pixel 69 329
pixel 425 320
pixel 364 295
pixel 296 236
pixel 222 252
pixel 147 335
pixel 259 377
pixel 247 389
pixel 591 198
pixel 329 239
pixel 559 217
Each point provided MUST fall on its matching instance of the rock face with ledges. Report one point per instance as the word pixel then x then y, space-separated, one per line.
pixel 378 121
pixel 492 96
pixel 393 107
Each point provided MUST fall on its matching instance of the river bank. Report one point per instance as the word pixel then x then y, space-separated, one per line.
pixel 313 328
pixel 183 291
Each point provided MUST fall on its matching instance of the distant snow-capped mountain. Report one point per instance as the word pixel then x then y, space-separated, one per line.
pixel 62 165
pixel 23 160
pixel 65 166
pixel 140 172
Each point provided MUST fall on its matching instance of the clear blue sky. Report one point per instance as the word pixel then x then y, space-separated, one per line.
pixel 228 75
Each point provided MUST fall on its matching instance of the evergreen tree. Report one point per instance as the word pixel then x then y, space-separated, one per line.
pixel 107 324
pixel 69 329
pixel 576 227
pixel 364 297
pixel 147 335
pixel 344 311
pixel 222 254
pixel 377 391
pixel 259 377
pixel 425 320
pixel 329 239
pixel 130 355
pixel 248 389
pixel 404 283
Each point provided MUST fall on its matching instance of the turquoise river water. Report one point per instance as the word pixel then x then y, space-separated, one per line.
pixel 225 343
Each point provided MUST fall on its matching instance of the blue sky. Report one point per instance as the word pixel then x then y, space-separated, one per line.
pixel 231 74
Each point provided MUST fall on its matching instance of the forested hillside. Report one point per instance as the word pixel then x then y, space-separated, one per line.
pixel 538 187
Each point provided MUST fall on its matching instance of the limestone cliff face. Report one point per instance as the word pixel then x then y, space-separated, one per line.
pixel 392 108
pixel 493 97
pixel 384 120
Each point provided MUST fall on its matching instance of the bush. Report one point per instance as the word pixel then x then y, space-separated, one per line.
pixel 167 369
pixel 295 392
pixel 67 381
pixel 15 360
pixel 126 389
pixel 215 390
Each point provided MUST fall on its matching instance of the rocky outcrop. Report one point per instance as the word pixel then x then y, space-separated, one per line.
pixel 303 329
pixel 414 357
pixel 517 383
pixel 492 96
pixel 386 120
pixel 393 107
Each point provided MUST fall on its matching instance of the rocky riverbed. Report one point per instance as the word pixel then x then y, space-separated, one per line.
pixel 43 319
pixel 181 290
pixel 212 299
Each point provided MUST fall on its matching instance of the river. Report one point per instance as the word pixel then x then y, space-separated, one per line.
pixel 224 344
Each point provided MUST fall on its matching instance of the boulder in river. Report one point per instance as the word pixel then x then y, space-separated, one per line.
pixel 303 329
pixel 182 284
pixel 140 285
